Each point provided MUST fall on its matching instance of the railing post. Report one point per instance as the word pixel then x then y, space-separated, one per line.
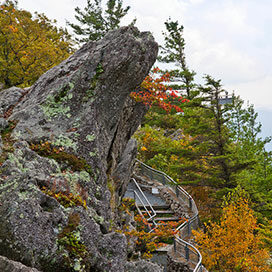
pixel 190 203
pixel 189 228
pixel 163 179
pixel 187 256
pixel 175 245
pixel 151 175
pixel 177 191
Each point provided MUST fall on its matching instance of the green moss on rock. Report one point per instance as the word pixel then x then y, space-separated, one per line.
pixel 55 105
pixel 73 251
pixel 76 164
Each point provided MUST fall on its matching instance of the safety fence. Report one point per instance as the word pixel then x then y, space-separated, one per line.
pixel 183 248
pixel 149 210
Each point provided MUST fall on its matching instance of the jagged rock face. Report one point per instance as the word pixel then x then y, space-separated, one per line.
pixel 69 133
pixel 11 266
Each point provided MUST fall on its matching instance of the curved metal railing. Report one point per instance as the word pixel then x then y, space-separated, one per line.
pixel 185 249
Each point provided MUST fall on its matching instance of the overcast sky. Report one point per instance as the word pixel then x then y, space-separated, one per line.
pixel 229 39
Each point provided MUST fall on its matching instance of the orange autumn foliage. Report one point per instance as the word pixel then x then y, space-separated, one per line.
pixel 155 91
pixel 232 244
pixel 147 242
pixel 66 199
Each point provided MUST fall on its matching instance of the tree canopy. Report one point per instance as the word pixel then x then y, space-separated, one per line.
pixel 211 147
pixel 30 45
pixel 173 52
pixel 95 21
pixel 232 243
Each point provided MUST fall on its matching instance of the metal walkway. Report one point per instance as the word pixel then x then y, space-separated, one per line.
pixel 147 201
pixel 154 200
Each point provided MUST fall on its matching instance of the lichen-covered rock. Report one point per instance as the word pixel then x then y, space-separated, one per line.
pixel 3 124
pixel 9 98
pixel 66 152
pixel 11 266
pixel 177 265
pixel 142 266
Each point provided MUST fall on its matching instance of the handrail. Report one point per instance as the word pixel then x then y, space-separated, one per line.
pixel 179 240
pixel 149 204
pixel 169 178
pixel 166 180
pixel 142 202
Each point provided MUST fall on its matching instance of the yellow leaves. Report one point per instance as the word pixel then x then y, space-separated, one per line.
pixel 147 255
pixel 231 244
pixel 30 46
pixel 143 148
pixel 174 158
pixel 147 138
pixel 84 204
pixel 13 29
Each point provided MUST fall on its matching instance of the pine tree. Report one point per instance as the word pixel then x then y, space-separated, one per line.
pixel 250 147
pixel 212 132
pixel 95 22
pixel 173 52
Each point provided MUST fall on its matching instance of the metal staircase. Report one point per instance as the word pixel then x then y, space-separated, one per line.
pixel 142 203
pixel 163 213
pixel 182 249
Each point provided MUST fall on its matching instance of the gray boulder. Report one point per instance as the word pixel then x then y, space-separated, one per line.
pixel 65 138
pixel 11 266
pixel 9 99
pixel 142 266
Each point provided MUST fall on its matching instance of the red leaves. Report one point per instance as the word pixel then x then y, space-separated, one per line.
pixel 155 91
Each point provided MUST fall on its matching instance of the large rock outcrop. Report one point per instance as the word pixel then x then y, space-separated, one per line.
pixel 65 158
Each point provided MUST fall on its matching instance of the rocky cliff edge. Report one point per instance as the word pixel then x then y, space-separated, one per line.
pixel 66 156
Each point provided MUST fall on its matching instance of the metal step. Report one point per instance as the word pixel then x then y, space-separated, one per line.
pixel 167 219
pixel 164 212
pixel 156 207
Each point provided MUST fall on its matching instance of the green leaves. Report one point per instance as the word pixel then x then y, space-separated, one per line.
pixel 95 22
pixel 173 52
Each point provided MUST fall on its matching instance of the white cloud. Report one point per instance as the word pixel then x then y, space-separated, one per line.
pixel 232 17
pixel 60 10
pixel 219 59
pixel 152 14
pixel 257 92
pixel 195 2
